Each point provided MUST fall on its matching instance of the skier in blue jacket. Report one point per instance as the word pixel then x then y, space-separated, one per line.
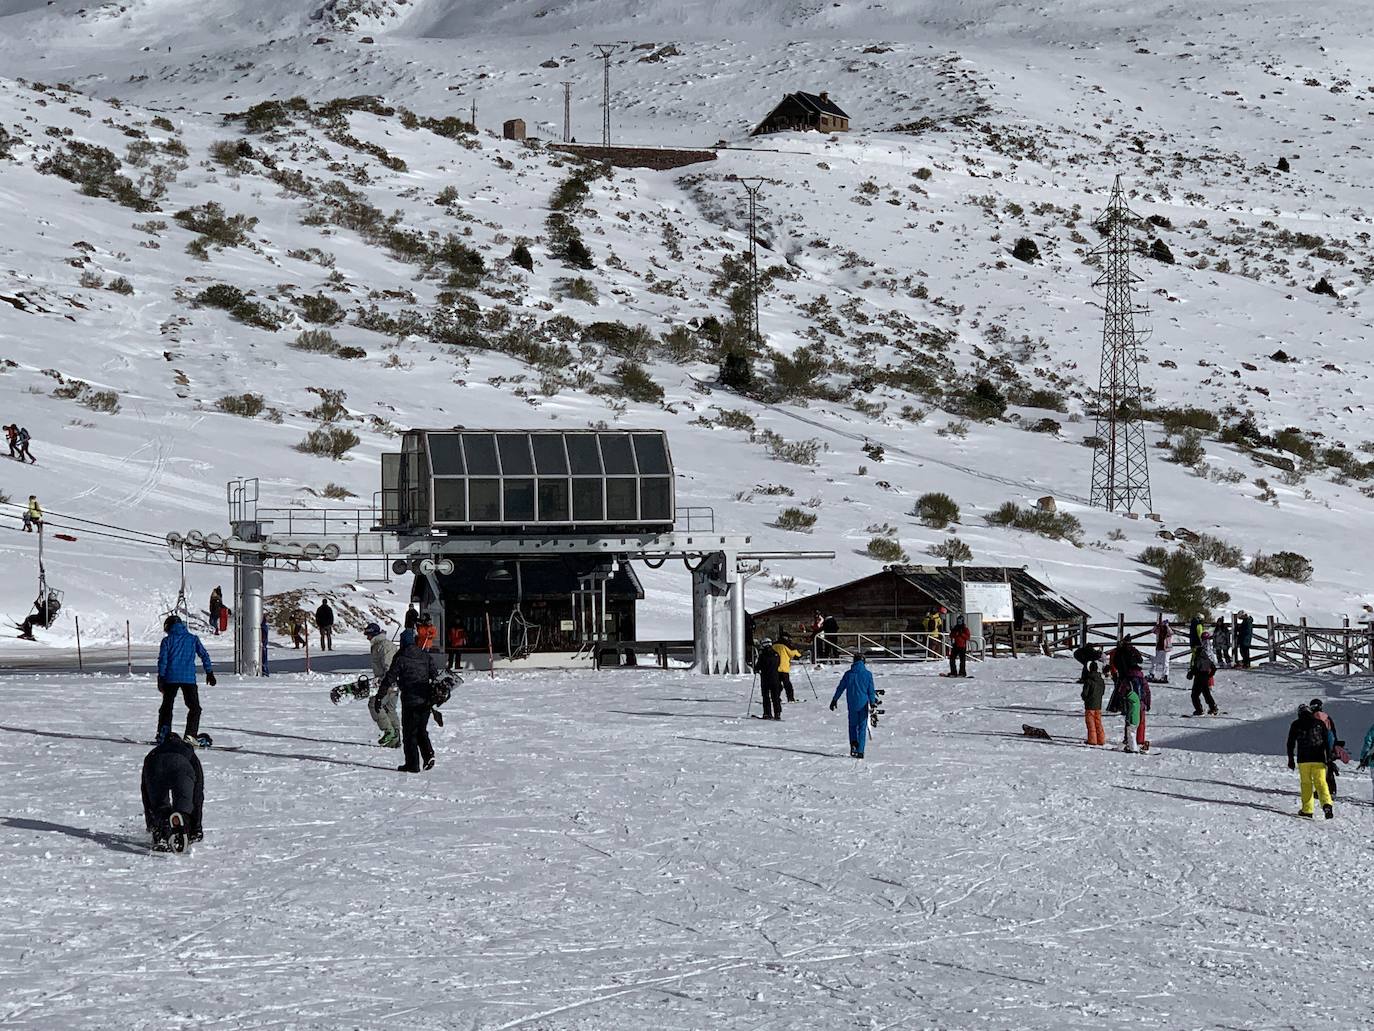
pixel 857 686
pixel 1367 751
pixel 176 671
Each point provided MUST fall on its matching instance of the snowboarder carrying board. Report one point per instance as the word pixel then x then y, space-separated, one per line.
pixel 857 687
pixel 173 795
pixel 382 707
pixel 413 672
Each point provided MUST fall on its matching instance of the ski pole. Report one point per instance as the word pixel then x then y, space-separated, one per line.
pixel 752 681
pixel 812 683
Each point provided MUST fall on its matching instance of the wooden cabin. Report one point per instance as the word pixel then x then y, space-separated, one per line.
pixel 801 112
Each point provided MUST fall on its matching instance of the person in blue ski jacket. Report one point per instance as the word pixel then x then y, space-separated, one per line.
pixel 176 671
pixel 857 686
pixel 1367 751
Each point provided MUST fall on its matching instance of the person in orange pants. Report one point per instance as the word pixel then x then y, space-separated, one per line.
pixel 1093 689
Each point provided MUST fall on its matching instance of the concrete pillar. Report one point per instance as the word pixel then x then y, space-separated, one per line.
pixel 248 611
pixel 703 619
pixel 735 585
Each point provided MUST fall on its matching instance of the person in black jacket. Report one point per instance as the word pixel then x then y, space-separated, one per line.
pixel 324 619
pixel 1203 671
pixel 770 683
pixel 173 795
pixel 1309 746
pixel 413 671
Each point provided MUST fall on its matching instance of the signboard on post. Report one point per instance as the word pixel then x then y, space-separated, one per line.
pixel 993 600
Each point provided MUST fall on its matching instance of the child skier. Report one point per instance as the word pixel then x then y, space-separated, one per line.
pixel 1134 704
pixel 857 687
pixel 1221 642
pixel 1203 671
pixel 1307 745
pixel 1093 689
pixel 1164 640
pixel 382 706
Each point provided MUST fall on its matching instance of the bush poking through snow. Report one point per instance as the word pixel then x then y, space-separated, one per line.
pixel 798 452
pixel 215 226
pixel 635 384
pixel 795 519
pixel 96 171
pixel 1283 565
pixel 575 289
pixel 120 285
pixel 1182 591
pixel 952 550
pixel 885 549
pixel 1187 449
pixel 236 303
pixel 1159 250
pixel 1323 287
pixel 1154 556
pixel 1054 525
pixel 520 255
pixel 315 341
pixel 246 405
pixel 1026 250
pixel 936 510
pixel 329 442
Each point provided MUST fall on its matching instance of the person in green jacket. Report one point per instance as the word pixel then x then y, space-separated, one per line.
pixel 1093 689
pixel 1367 751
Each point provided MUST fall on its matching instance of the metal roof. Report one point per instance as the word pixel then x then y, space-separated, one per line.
pixel 818 104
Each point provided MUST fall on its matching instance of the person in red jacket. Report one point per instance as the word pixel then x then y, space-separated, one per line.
pixel 457 641
pixel 426 633
pixel 958 648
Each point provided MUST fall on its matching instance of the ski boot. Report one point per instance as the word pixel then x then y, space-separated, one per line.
pixel 193 742
pixel 204 741
pixel 390 739
pixel 429 763
pixel 1328 812
pixel 1305 816
pixel 162 733
pixel 176 833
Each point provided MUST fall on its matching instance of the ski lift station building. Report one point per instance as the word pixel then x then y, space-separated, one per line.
pixel 527 539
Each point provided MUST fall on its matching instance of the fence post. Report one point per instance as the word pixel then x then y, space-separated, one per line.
pixel 1120 625
pixel 1345 643
pixel 1083 631
pixel 79 663
pixel 128 649
pixel 1273 642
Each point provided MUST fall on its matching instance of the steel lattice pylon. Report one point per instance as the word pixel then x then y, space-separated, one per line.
pixel 1121 471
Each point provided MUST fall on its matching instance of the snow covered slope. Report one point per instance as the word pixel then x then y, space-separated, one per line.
pixel 661 861
pixel 894 291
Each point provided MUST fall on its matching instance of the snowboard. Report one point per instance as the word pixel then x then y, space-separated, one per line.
pixel 966 676
pixel 359 688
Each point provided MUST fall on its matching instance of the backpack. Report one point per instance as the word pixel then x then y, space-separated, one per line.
pixel 23 435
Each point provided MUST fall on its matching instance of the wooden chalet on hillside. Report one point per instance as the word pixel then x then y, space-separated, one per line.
pixel 898 600
pixel 800 112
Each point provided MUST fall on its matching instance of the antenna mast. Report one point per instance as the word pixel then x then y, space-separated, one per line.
pixel 606 50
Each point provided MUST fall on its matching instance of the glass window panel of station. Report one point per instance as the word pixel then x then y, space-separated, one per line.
pixel 450 501
pixel 622 499
pixel 484 500
pixel 515 454
pixel 553 501
pixel 617 454
pixel 519 494
pixel 446 454
pixel 549 457
pixel 588 500
pixel 655 499
pixel 652 454
pixel 480 449
pixel 583 454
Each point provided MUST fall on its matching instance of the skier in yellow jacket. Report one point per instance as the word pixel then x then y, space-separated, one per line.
pixel 786 653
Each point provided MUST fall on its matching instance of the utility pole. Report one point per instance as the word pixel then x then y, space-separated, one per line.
pixel 473 122
pixel 752 185
pixel 567 112
pixel 606 50
pixel 1121 473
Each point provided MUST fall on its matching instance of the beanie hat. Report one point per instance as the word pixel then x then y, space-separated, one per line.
pixel 407 637
pixel 371 630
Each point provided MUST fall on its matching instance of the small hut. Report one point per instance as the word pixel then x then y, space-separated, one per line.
pixel 800 112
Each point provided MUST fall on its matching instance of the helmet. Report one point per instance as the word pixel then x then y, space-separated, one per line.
pixel 766 642
pixel 407 637
pixel 371 630
pixel 858 656
pixel 1304 710
pixel 1206 637
pixel 170 622
pixel 1315 705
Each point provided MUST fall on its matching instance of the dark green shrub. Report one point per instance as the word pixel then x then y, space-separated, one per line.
pixel 1026 250
pixel 1054 525
pixel 952 550
pixel 219 229
pixel 316 341
pixel 120 285
pixel 797 520
pixel 1155 556
pixel 1182 591
pixel 246 405
pixel 1283 565
pixel 320 309
pixel 936 510
pixel 520 255
pixel 885 549
pixel 736 371
pixel 984 401
pixel 1177 420
pixel 329 442
pixel 636 384
pixel 1159 250
pixel 1187 449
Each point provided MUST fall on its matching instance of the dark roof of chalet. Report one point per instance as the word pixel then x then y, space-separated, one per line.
pixel 821 105
pixel 944 586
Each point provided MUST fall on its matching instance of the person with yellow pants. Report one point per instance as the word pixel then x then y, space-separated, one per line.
pixel 786 653
pixel 1309 752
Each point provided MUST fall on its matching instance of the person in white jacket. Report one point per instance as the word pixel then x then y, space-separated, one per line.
pixel 1164 640
pixel 382 706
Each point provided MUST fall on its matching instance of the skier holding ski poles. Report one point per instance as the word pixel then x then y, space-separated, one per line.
pixel 857 687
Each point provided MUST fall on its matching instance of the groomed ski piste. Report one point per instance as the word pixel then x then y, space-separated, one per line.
pixel 628 850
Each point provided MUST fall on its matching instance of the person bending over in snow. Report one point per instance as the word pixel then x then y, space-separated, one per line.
pixel 173 795
pixel 1094 687
pixel 1087 654
pixel 382 706
pixel 1203 671
pixel 176 671
pixel 857 687
pixel 1307 745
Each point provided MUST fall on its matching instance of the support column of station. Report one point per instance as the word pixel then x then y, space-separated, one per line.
pixel 718 615
pixel 248 610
